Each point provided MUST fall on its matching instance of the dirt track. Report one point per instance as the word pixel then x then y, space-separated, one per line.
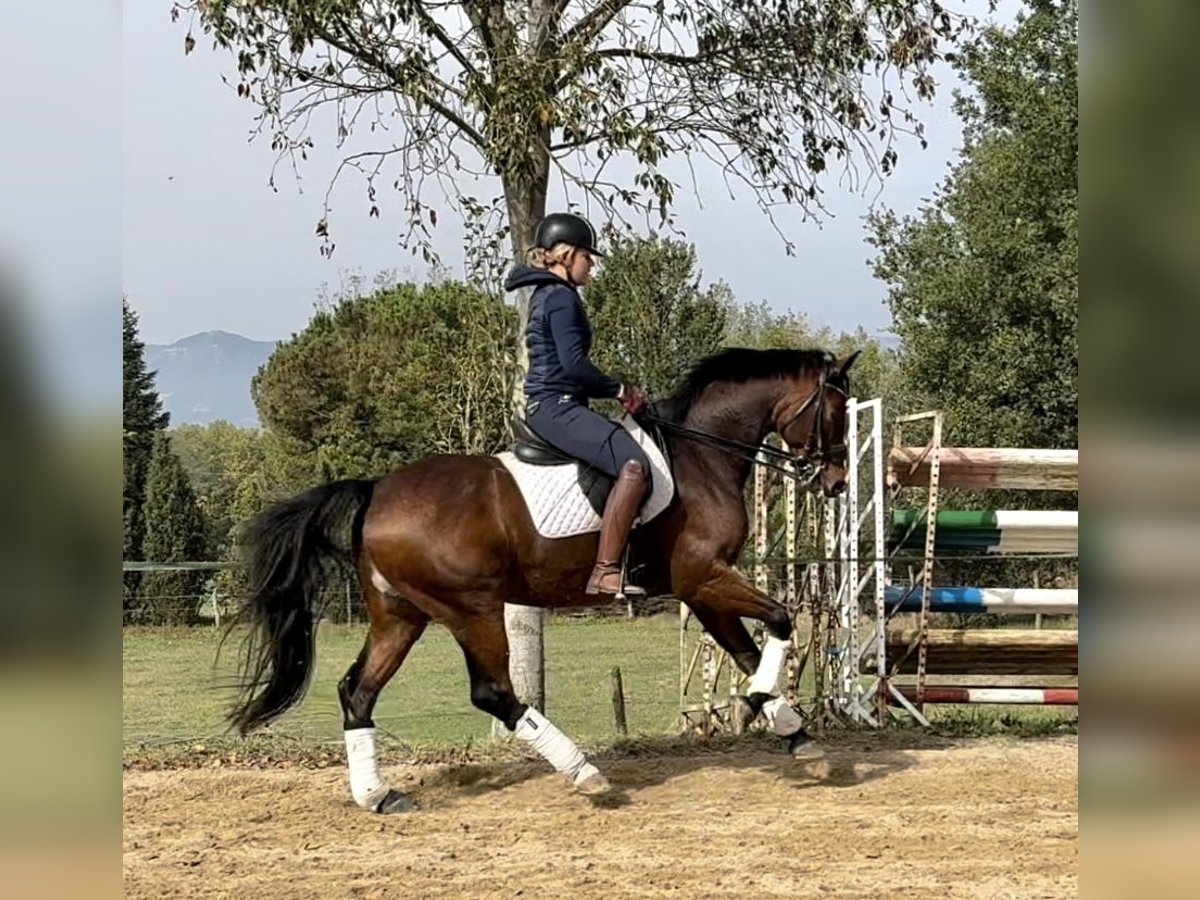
pixel 992 819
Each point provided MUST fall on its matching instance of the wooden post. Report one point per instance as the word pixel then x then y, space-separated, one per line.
pixel 685 673
pixel 789 501
pixel 524 624
pixel 760 525
pixel 710 679
pixel 618 699
pixel 526 651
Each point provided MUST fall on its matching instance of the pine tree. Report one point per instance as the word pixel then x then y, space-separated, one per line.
pixel 174 532
pixel 142 418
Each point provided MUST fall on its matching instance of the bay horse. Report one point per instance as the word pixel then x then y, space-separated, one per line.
pixel 449 539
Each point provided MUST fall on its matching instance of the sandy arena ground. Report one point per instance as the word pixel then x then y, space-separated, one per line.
pixel 972 819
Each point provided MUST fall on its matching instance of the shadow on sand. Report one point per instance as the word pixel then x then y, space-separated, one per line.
pixel 851 759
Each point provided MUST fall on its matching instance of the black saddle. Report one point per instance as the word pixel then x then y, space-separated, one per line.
pixel 529 448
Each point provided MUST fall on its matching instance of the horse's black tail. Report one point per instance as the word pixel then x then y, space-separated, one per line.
pixel 293 549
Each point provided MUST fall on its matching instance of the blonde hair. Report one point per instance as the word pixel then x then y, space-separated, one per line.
pixel 541 258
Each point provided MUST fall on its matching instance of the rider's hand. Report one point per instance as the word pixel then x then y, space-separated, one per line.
pixel 632 400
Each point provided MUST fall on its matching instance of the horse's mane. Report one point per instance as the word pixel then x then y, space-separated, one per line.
pixel 737 365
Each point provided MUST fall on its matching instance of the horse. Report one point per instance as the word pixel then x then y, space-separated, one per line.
pixel 449 539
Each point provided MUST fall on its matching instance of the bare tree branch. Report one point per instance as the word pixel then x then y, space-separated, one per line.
pixel 772 92
pixel 589 27
pixel 399 79
pixel 439 34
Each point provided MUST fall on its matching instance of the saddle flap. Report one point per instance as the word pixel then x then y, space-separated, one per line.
pixel 566 497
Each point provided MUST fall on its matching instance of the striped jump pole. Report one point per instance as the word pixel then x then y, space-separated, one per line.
pixel 987 531
pixel 1001 601
pixel 921 536
pixel 1005 468
pixel 1037 696
pixel 987 651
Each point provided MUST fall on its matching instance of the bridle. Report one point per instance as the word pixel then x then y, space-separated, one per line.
pixel 814 449
pixel 805 466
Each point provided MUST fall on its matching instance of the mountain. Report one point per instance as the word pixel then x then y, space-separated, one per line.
pixel 206 377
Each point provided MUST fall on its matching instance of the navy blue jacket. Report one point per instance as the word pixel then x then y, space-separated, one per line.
pixel 559 338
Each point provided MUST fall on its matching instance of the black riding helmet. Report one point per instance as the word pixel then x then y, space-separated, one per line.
pixel 566 228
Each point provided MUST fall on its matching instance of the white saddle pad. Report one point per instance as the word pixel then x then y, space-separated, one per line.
pixel 559 507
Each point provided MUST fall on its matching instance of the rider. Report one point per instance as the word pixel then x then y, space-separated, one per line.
pixel 562 379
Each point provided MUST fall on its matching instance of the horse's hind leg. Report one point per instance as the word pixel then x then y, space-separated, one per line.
pixel 395 626
pixel 484 643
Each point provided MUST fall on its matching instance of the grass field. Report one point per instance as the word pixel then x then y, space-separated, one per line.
pixel 175 692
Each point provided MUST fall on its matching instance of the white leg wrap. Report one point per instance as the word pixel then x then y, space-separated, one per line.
pixel 770 667
pixel 365 784
pixel 783 719
pixel 554 746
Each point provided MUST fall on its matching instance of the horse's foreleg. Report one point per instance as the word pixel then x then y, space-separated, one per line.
pixel 763 666
pixel 720 603
pixel 395 626
pixel 729 633
pixel 484 643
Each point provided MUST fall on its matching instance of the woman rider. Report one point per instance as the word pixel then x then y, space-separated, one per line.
pixel 562 379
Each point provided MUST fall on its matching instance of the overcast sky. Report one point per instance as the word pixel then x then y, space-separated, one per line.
pixel 208 245
pixel 60 196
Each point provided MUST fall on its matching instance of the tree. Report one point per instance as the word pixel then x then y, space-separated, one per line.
pixel 175 533
pixel 218 459
pixel 875 371
pixel 235 472
pixel 652 320
pixel 366 386
pixel 983 281
pixel 756 325
pixel 772 92
pixel 874 374
pixel 142 418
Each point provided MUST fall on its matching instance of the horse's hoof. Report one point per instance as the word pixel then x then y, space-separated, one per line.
pixel 395 801
pixel 593 785
pixel 801 746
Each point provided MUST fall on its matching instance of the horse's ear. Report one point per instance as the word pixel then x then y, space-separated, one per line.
pixel 843 366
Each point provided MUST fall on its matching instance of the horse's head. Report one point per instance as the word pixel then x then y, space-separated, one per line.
pixel 811 419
